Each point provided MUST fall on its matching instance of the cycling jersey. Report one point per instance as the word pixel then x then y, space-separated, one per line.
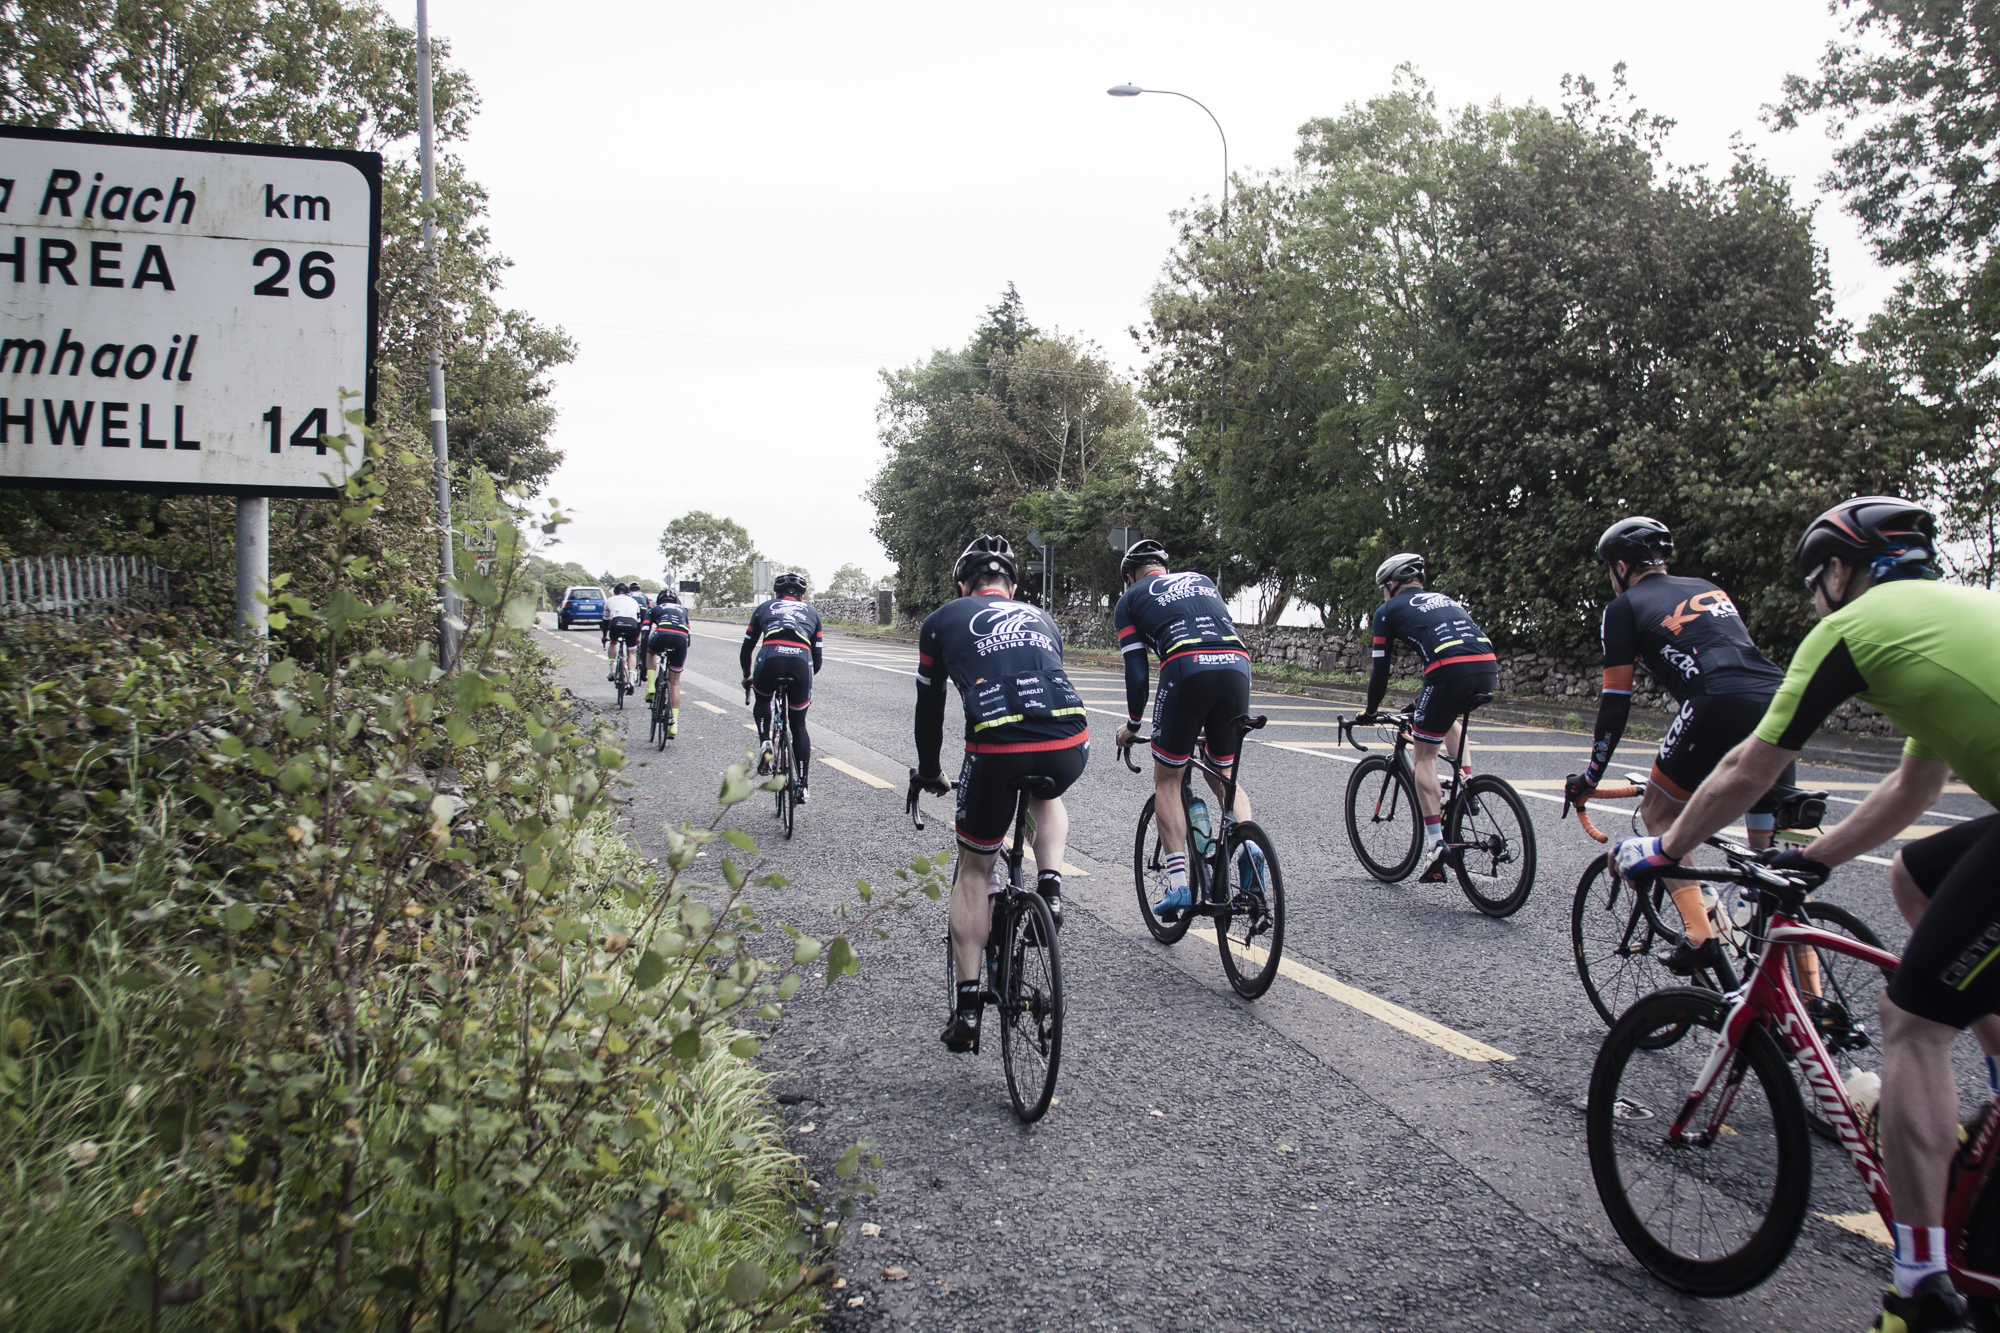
pixel 667 633
pixel 1005 657
pixel 1693 642
pixel 667 618
pixel 1924 654
pixel 620 607
pixel 785 626
pixel 1440 630
pixel 1182 618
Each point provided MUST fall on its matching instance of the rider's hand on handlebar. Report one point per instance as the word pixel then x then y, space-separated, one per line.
pixel 1641 859
pixel 1127 734
pixel 1577 789
pixel 934 783
pixel 1795 861
pixel 1365 719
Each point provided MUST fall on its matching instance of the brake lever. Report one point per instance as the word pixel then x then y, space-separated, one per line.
pixel 1344 730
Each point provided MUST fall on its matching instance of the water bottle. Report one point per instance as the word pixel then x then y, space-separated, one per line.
pixel 1198 825
pixel 1864 1090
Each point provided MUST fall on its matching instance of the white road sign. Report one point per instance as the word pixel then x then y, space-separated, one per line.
pixel 182 315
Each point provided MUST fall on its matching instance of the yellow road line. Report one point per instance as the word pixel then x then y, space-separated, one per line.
pixel 1866 1225
pixel 1437 1034
pixel 703 703
pixel 857 774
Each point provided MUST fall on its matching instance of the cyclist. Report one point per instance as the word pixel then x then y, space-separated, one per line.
pixel 782 644
pixel 667 639
pixel 1204 688
pixel 1922 652
pixel 1693 641
pixel 1458 663
pixel 620 625
pixel 1022 719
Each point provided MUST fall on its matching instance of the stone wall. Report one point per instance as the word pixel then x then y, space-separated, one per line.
pixel 830 608
pixel 1564 680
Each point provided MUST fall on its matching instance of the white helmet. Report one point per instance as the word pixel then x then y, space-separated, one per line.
pixel 1399 568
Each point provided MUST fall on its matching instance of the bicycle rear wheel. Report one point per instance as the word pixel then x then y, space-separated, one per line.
pixel 1383 823
pixel 1841 994
pixel 1149 877
pixel 1251 930
pixel 1031 1006
pixel 1495 841
pixel 1717 1212
pixel 781 762
pixel 618 681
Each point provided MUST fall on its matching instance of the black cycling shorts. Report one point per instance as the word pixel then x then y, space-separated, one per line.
pixel 673 647
pixel 987 790
pixel 794 669
pixel 1443 699
pixel 1951 966
pixel 1198 698
pixel 1708 727
pixel 622 630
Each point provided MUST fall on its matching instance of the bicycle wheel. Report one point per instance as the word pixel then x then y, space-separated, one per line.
pixel 1031 1006
pixel 1841 994
pixel 1495 860
pixel 781 763
pixel 1620 953
pixel 1383 822
pixel 1716 1213
pixel 1251 930
pixel 1981 1227
pixel 618 681
pixel 1149 877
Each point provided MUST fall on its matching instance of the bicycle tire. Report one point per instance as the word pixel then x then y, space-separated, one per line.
pixel 1621 955
pixel 1254 921
pixel 1843 1024
pixel 781 763
pixel 618 681
pixel 1149 877
pixel 1031 1007
pixel 1981 1227
pixel 1387 792
pixel 1638 1087
pixel 1495 865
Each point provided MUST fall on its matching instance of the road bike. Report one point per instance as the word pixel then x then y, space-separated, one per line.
pixel 782 759
pixel 1697 1132
pixel 663 713
pixel 1023 968
pixel 621 671
pixel 1250 917
pixel 1489 839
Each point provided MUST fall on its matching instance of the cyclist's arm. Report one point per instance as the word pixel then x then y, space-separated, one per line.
pixel 1744 775
pixel 749 646
pixel 1138 674
pixel 1378 679
pixel 1614 703
pixel 930 705
pixel 816 638
pixel 1902 796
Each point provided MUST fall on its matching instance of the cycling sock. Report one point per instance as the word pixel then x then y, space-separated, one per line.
pixel 1993 1074
pixel 1694 911
pixel 1049 883
pixel 968 999
pixel 1919 1253
pixel 1177 870
pixel 1434 830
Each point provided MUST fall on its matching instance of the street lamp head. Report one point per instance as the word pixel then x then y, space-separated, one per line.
pixel 1125 90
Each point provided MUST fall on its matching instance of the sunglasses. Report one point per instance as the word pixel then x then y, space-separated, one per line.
pixel 1812 579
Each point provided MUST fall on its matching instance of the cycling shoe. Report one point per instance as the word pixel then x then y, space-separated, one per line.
pixel 1169 908
pixel 1434 873
pixel 1937 1305
pixel 962 1033
pixel 1251 873
pixel 1688 959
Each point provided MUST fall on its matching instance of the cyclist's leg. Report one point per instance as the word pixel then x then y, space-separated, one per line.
pixel 1761 821
pixel 1914 876
pixel 801 676
pixel 1225 696
pixel 984 817
pixel 1682 762
pixel 1432 722
pixel 761 675
pixel 1174 732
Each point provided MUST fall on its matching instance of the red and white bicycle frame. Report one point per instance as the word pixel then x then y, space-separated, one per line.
pixel 1770 997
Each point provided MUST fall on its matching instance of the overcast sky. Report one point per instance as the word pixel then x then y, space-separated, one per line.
pixel 742 214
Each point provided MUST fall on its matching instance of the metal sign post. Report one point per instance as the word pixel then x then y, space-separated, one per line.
pixel 760 580
pixel 186 317
pixel 449 619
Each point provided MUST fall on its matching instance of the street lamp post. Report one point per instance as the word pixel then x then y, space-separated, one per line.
pixel 1133 90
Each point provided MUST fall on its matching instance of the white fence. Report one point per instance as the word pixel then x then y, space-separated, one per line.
pixel 64 585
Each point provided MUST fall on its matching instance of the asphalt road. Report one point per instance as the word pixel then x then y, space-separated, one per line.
pixel 1213 1164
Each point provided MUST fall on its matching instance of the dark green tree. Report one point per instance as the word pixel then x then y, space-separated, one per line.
pixel 717 551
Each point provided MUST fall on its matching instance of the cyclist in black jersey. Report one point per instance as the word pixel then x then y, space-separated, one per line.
pixel 782 643
pixel 1693 642
pixel 1458 664
pixel 1204 688
pixel 1022 718
pixel 667 639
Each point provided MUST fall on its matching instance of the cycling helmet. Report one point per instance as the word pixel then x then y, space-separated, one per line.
pixel 618 590
pixel 1140 554
pixel 673 597
pixel 1637 541
pixel 789 584
pixel 1399 568
pixel 1897 537
pixel 989 554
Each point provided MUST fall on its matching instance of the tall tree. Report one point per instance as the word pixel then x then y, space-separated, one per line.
pixel 717 551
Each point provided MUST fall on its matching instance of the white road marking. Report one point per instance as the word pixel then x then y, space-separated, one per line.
pixel 1437 1034
pixel 857 774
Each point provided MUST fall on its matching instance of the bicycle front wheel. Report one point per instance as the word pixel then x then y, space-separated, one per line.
pixel 1494 842
pixel 1621 949
pixel 1149 877
pixel 1716 1212
pixel 1383 822
pixel 1031 1007
pixel 1251 931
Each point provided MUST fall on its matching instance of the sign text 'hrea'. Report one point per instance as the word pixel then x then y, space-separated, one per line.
pixel 182 315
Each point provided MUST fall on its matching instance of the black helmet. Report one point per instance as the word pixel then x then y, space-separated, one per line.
pixel 618 590
pixel 1637 541
pixel 788 582
pixel 665 596
pixel 1399 568
pixel 986 555
pixel 1142 553
pixel 1888 531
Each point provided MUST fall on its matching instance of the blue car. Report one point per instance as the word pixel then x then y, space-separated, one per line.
pixel 580 603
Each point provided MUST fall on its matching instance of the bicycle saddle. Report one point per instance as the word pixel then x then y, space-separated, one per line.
pixel 1478 701
pixel 1248 723
pixel 1039 788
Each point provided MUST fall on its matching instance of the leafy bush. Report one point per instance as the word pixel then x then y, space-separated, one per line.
pixel 329 998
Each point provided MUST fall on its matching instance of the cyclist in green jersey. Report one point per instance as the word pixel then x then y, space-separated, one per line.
pixel 1924 653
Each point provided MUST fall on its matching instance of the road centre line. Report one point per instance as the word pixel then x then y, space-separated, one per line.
pixel 1424 1029
pixel 703 703
pixel 859 775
